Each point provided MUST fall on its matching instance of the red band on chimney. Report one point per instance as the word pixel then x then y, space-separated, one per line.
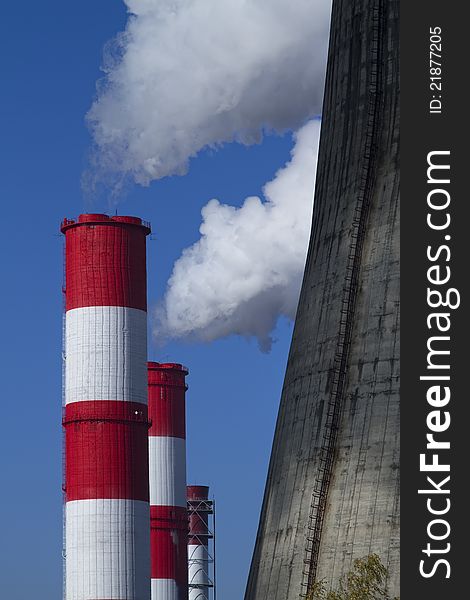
pixel 106 450
pixel 167 399
pixel 198 521
pixel 105 262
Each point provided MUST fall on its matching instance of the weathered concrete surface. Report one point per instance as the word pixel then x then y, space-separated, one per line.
pixel 362 510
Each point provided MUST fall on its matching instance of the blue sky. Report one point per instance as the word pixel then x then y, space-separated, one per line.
pixel 50 56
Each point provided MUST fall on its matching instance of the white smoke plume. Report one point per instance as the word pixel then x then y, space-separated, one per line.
pixel 191 74
pixel 246 269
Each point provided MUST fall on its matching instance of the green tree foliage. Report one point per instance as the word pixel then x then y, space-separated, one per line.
pixel 367 580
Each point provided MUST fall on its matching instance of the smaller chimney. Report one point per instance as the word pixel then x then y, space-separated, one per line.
pixel 167 465
pixel 200 560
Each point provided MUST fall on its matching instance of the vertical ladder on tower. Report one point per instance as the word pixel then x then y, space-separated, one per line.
pixel 353 265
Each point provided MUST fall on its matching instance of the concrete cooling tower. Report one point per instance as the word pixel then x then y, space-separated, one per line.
pixel 332 492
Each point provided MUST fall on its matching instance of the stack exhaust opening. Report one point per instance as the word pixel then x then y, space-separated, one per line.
pixel 107 548
pixel 167 459
pixel 200 559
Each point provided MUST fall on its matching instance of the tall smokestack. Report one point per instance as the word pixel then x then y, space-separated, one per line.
pixel 167 456
pixel 105 415
pixel 199 559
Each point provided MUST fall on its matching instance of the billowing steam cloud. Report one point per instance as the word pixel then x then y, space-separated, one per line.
pixel 190 74
pixel 246 269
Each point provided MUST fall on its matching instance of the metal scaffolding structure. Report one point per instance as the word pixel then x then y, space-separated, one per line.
pixel 201 545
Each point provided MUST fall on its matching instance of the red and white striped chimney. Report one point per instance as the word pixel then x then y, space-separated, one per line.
pixel 167 458
pixel 105 417
pixel 199 507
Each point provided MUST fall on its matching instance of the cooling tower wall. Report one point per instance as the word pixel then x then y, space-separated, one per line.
pixel 332 492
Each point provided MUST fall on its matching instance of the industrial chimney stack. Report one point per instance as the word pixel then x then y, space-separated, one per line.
pixel 167 454
pixel 105 414
pixel 200 560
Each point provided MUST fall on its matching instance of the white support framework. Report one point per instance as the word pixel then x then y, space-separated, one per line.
pixel 201 550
